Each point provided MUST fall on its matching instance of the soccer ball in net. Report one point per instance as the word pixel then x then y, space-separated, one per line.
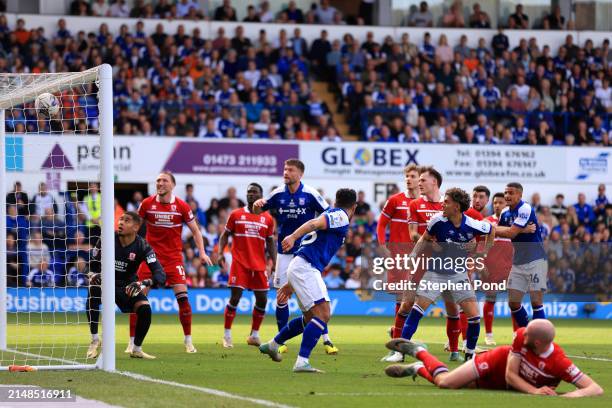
pixel 47 105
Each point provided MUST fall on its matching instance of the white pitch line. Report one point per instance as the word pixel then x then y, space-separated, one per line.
pixel 204 390
pixel 608 360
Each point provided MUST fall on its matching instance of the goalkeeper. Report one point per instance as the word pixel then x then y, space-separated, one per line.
pixel 130 251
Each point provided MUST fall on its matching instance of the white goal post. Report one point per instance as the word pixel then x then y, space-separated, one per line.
pixel 53 338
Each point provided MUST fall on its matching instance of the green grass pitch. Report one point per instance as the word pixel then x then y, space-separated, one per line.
pixel 353 378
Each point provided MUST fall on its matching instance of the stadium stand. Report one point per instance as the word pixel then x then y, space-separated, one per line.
pixel 234 85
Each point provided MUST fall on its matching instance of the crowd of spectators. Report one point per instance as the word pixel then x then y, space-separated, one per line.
pixel 51 234
pixel 492 94
pixel 320 12
pixel 181 84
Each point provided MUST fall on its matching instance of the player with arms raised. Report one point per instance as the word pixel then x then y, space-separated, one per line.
pixel 533 364
pixel 251 235
pixel 164 214
pixel 322 237
pixel 130 251
pixel 395 215
pixel 291 205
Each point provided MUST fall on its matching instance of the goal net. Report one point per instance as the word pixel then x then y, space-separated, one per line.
pixel 56 188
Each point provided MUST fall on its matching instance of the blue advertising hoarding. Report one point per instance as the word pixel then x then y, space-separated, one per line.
pixel 343 303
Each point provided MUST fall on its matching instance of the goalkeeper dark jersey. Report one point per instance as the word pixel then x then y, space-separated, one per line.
pixel 128 259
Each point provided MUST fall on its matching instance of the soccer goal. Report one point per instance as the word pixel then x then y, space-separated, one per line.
pixel 56 147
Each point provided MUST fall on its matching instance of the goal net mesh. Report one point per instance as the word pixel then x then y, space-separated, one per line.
pixel 52 204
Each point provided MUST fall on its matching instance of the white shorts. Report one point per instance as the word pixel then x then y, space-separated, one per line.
pixel 280 273
pixel 529 277
pixel 307 283
pixel 455 296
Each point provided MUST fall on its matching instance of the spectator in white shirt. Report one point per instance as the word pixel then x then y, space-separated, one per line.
pixel 100 8
pixel 325 12
pixel 119 9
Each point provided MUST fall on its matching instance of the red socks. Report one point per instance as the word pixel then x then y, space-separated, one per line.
pixel 453 329
pixel 185 314
pixel 432 364
pixel 425 374
pixel 398 326
pixel 258 316
pixel 133 319
pixel 464 324
pixel 488 311
pixel 229 314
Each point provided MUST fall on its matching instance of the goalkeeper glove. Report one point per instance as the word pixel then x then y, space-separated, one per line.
pixel 95 279
pixel 134 288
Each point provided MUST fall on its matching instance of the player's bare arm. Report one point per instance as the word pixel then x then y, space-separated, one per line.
pixel 514 230
pixel 515 381
pixel 413 229
pixel 425 240
pixel 222 243
pixel 318 223
pixel 199 241
pixel 258 205
pixel 586 388
pixel 271 249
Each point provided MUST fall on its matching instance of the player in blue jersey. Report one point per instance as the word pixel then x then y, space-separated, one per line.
pixel 291 205
pixel 448 265
pixel 518 222
pixel 322 237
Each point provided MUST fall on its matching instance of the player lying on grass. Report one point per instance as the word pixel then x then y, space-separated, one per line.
pixel 533 364
pixel 252 234
pixel 130 251
pixel 323 236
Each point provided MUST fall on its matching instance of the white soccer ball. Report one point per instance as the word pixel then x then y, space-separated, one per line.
pixel 47 105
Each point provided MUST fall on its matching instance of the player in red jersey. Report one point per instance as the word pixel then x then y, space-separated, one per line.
pixel 498 263
pixel 534 364
pixel 420 212
pixel 395 215
pixel 251 235
pixel 164 214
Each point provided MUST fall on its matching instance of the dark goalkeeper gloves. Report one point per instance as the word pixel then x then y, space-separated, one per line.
pixel 134 288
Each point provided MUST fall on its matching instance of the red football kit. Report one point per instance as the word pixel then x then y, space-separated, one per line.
pixel 546 369
pixel 164 227
pixel 396 210
pixel 249 234
pixel 395 213
pixel 421 211
pixel 499 258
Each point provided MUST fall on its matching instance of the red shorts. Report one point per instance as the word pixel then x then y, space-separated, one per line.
pixel 175 273
pixel 491 368
pixel 244 278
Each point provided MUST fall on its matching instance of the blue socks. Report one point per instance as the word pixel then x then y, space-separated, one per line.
pixel 520 316
pixel 538 312
pixel 416 314
pixel 294 328
pixel 312 332
pixel 282 315
pixel 473 331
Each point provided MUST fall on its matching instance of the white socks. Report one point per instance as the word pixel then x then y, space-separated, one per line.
pixel 137 348
pixel 227 333
pixel 326 337
pixel 301 361
pixel 254 333
pixel 131 341
pixel 188 338
pixel 94 337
